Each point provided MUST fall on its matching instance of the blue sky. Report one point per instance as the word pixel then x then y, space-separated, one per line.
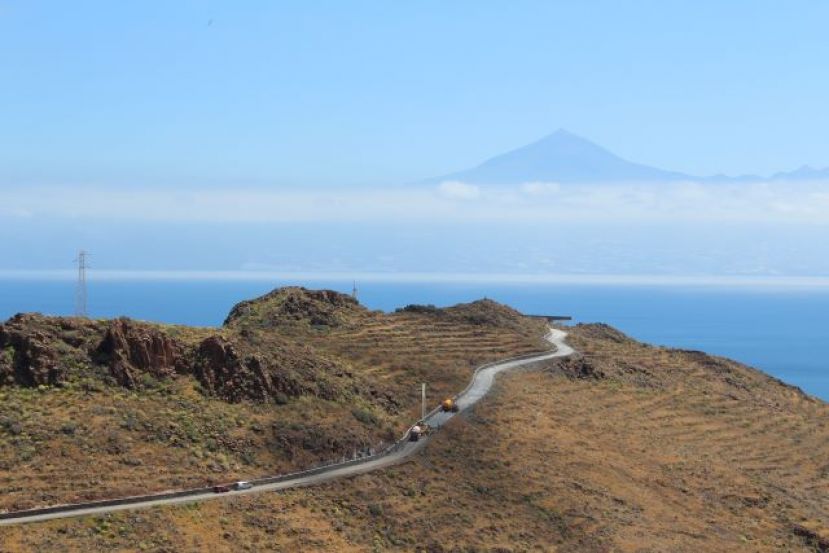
pixel 338 93
pixel 275 136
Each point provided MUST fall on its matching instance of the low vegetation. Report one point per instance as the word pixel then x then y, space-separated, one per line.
pixel 624 447
pixel 95 409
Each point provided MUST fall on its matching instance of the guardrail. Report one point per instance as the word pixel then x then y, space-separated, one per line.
pixel 136 499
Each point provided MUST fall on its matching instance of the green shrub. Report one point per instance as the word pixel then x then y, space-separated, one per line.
pixel 364 416
pixel 69 428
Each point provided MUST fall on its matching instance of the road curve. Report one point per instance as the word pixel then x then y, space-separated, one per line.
pixel 482 382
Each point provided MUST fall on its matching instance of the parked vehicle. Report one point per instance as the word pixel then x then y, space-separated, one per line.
pixel 242 485
pixel 221 488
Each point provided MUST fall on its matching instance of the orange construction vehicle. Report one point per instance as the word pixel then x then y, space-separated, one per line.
pixel 449 405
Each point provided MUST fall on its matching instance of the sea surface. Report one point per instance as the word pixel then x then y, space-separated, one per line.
pixel 783 331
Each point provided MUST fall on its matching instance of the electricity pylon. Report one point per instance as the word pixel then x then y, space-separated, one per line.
pixel 80 290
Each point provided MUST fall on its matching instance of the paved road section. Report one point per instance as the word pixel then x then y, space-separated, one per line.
pixel 481 383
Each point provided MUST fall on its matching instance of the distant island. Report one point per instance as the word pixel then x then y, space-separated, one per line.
pixel 564 157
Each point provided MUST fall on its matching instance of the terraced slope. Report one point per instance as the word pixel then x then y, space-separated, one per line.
pixel 717 452
pixel 404 348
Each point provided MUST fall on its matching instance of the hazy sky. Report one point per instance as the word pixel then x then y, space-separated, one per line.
pixel 201 92
pixel 275 136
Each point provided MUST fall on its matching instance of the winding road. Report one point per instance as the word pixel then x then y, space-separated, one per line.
pixel 481 383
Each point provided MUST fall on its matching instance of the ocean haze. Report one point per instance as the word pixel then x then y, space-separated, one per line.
pixel 561 205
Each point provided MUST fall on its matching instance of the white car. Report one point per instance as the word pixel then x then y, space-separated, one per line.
pixel 242 485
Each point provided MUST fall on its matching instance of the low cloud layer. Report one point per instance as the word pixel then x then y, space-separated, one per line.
pixel 800 202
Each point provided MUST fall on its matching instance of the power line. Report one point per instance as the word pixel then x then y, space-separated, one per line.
pixel 80 290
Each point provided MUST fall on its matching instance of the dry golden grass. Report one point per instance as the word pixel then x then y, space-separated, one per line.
pixel 649 450
pixel 91 439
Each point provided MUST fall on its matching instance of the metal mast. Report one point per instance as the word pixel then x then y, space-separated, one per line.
pixel 354 290
pixel 80 291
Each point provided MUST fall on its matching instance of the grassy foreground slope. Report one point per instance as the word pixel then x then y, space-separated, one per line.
pixel 626 448
pixel 94 409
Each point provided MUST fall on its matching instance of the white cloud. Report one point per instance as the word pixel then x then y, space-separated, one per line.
pixel 540 188
pixel 451 201
pixel 457 190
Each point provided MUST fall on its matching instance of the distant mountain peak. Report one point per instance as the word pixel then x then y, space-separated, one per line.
pixel 565 157
pixel 561 156
pixel 561 131
pixel 804 172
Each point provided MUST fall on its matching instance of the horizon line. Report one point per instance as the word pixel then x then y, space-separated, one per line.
pixel 593 279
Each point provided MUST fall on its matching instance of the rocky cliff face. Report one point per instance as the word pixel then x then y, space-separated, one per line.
pixel 37 350
pixel 283 373
pixel 131 350
pixel 247 363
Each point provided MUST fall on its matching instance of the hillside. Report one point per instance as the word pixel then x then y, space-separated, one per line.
pixel 93 409
pixel 627 448
pixel 624 447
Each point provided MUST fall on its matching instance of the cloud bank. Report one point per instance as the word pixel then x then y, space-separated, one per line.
pixel 801 202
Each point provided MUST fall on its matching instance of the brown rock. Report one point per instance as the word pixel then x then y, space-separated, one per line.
pixel 132 349
pixel 25 356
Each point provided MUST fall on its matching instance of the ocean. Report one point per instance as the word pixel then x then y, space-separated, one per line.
pixel 782 331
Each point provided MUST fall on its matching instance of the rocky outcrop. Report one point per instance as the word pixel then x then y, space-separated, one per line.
pixel 26 359
pixel 251 359
pixel 36 350
pixel 132 350
pixel 222 371
pixel 287 372
pixel 578 367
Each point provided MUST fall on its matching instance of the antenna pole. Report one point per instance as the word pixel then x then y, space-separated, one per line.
pixel 80 291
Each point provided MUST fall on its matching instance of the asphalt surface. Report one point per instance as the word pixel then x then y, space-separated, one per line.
pixel 482 382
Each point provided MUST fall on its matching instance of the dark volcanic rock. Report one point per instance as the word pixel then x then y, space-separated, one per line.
pixel 579 367
pixel 252 359
pixel 25 357
pixel 38 350
pixel 132 349
pixel 287 372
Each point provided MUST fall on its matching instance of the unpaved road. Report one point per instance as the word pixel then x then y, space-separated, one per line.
pixel 481 383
